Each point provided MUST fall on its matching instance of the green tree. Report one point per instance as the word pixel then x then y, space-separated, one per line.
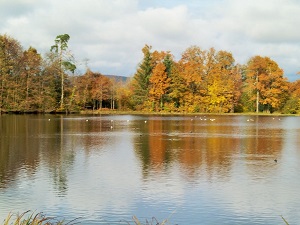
pixel 177 88
pixel 141 79
pixel 292 105
pixel 64 61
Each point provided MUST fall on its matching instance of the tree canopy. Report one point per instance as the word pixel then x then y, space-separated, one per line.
pixel 201 80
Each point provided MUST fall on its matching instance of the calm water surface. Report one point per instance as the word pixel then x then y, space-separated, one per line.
pixel 189 170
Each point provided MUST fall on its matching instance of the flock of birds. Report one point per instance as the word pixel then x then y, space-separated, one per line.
pixel 204 119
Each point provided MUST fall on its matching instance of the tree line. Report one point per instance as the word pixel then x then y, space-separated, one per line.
pixel 203 81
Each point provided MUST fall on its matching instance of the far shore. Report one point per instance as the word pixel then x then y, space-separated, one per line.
pixel 131 112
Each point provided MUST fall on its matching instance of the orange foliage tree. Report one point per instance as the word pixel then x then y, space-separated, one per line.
pixel 159 80
pixel 265 84
pixel 93 91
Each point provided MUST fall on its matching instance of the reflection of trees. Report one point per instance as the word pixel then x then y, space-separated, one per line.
pixel 262 146
pixel 207 148
pixel 63 156
pixel 27 141
pixel 70 134
pixel 18 147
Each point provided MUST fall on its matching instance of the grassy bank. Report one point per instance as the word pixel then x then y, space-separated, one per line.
pixel 131 112
pixel 116 112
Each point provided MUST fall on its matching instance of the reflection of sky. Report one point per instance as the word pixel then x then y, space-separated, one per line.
pixel 107 183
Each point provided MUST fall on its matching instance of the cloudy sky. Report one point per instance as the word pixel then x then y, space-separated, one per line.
pixel 108 35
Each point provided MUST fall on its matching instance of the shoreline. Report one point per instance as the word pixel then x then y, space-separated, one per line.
pixel 118 112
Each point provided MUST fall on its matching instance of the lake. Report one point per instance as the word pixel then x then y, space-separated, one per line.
pixel 104 169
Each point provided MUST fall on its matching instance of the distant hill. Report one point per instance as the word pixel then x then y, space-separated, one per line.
pixel 118 78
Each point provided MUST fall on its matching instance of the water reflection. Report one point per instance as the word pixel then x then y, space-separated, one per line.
pixel 206 168
pixel 210 146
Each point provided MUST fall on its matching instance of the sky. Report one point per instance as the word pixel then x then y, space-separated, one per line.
pixel 107 36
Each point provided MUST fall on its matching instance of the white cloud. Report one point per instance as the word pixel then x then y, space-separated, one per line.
pixel 111 34
pixel 269 21
pixel 164 23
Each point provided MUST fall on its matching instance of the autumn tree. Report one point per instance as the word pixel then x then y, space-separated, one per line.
pixel 31 77
pixel 10 58
pixel 123 93
pixel 159 80
pixel 83 91
pixel 50 84
pixel 265 84
pixel 177 89
pixel 223 82
pixel 191 68
pixel 93 91
pixel 201 81
pixel 102 91
pixel 292 105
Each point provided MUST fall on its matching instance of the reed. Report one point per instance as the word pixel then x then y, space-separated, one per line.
pixel 284 220
pixel 152 222
pixel 32 218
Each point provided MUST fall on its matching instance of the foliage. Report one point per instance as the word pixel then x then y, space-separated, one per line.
pixel 159 80
pixel 265 83
pixel 93 90
pixel 141 78
pixel 10 58
pixel 204 81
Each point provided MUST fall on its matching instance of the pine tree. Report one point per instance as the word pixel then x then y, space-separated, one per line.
pixel 141 79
